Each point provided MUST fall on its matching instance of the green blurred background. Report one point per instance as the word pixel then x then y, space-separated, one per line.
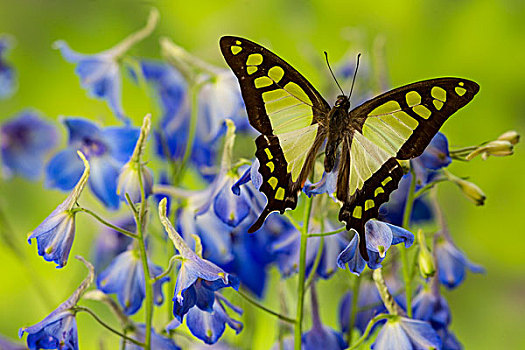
pixel 481 40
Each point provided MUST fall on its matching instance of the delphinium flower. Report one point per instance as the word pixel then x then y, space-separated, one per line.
pixel 501 147
pixel 158 342
pixel 100 73
pixel 8 82
pixel 135 177
pixel 209 326
pixel 107 150
pixel 58 330
pixel 54 236
pixel 198 279
pixel 379 237
pixel 25 141
pixel 125 277
pixel 110 243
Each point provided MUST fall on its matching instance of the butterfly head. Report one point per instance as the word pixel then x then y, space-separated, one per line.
pixel 343 102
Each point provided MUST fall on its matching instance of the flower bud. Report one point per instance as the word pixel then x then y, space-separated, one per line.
pixel 129 182
pixel 472 191
pixel 427 268
pixel 512 136
pixel 498 148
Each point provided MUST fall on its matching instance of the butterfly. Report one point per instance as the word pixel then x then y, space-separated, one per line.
pixel 294 121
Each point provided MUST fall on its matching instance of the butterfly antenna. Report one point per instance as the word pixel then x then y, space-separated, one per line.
pixel 330 68
pixel 355 74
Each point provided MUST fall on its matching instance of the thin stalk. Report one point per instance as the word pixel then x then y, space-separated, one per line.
pixel 353 311
pixel 428 187
pixel 330 233
pixel 317 261
pixel 371 324
pixel 105 325
pixel 407 275
pixel 106 223
pixel 265 309
pixel 302 272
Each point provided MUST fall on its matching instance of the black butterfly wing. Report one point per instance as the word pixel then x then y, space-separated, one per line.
pixel 289 113
pixel 398 124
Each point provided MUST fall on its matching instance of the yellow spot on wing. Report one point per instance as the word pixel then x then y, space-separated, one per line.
pixel 369 204
pixel 297 92
pixel 254 59
pixel 236 49
pixel 268 153
pixel 378 191
pixel 274 95
pixel 273 182
pixel 406 119
pixel 279 195
pixel 438 104
pixel 386 108
pixel 413 98
pixel 276 73
pixel 262 82
pixel 422 111
pixel 439 93
pixel 460 91
pixel 461 83
pixel 237 42
pixel 251 69
pixel 385 181
pixel 271 166
pixel 358 211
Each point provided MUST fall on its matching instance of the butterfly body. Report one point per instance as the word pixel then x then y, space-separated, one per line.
pixel 363 145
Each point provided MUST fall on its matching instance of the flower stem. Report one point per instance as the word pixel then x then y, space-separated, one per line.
pixel 105 325
pixel 407 275
pixel 106 223
pixel 265 309
pixel 302 272
pixel 353 311
pixel 390 304
pixel 330 233
pixel 371 324
pixel 317 261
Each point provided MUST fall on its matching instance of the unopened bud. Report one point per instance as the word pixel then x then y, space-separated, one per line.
pixel 498 148
pixel 427 268
pixel 472 191
pixel 511 136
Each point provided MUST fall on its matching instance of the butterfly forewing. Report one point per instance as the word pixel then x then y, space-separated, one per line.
pixel 289 113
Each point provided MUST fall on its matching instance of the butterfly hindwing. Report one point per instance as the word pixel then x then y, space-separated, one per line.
pixel 289 113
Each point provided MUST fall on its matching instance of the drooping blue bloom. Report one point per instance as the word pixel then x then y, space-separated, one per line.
pixel 100 73
pixel 198 279
pixel 158 342
pixel 449 340
pixel 25 141
pixel 379 237
pixel 58 330
pixel 110 243
pixel 107 149
pixel 209 326
pixel 452 264
pixel 401 333
pixel 430 306
pixel 8 82
pixel 7 344
pixel 125 277
pixel 54 236
pixel 368 299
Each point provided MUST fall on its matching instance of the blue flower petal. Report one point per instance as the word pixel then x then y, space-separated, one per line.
pixel 230 208
pixel 350 255
pixel 121 141
pixel 81 129
pixel 64 170
pixel 401 235
pixel 103 180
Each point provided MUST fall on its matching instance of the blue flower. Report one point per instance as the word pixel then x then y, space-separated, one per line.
pixel 100 73
pixel 452 264
pixel 107 150
pixel 379 237
pixel 430 306
pixel 198 279
pixel 401 333
pixel 158 342
pixel 209 326
pixel 59 329
pixel 7 344
pixel 110 243
pixel 368 299
pixel 54 236
pixel 8 82
pixel 26 139
pixel 125 277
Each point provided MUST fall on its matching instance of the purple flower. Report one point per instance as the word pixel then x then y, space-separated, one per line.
pixel 452 264
pixel 158 342
pixel 100 73
pixel 401 333
pixel 7 344
pixel 59 329
pixel 107 149
pixel 379 237
pixel 25 141
pixel 54 236
pixel 8 82
pixel 125 277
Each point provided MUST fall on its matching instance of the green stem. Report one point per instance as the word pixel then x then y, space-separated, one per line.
pixel 168 269
pixel 265 309
pixel 428 187
pixel 105 325
pixel 353 311
pixel 106 223
pixel 407 276
pixel 317 261
pixel 330 233
pixel 371 324
pixel 302 272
